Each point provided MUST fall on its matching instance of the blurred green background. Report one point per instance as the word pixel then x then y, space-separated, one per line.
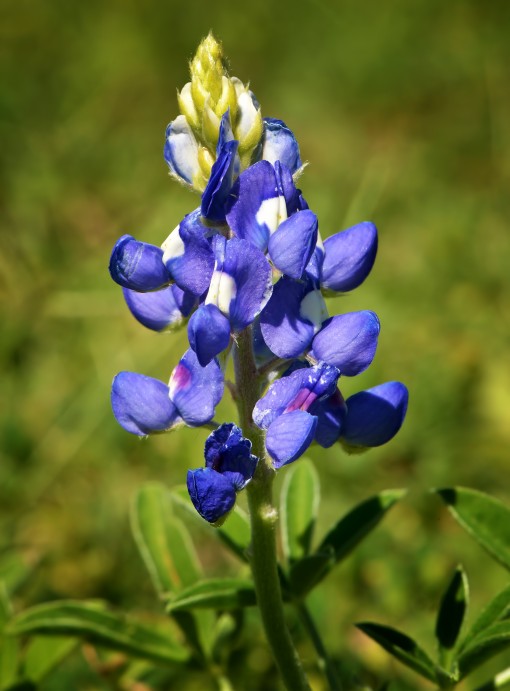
pixel 402 109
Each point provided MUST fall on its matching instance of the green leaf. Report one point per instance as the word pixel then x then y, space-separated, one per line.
pixel 485 518
pixel 401 647
pixel 163 541
pixel 299 505
pixel 44 654
pixel 9 647
pixel 235 533
pixel 452 610
pixel 341 540
pixel 91 622
pixel 215 593
pixel 496 610
pixel 490 642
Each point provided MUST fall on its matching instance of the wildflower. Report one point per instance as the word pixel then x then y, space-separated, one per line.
pixel 229 466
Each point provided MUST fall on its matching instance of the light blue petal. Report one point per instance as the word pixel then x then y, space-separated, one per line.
pixel 196 390
pixel 289 436
pixel 348 341
pixel 181 150
pixel 349 257
pixel 157 310
pixel 280 144
pixel 141 404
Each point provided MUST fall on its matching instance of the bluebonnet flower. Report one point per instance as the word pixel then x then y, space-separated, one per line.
pixel 229 466
pixel 250 257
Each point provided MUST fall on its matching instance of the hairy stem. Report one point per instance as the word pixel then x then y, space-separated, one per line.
pixel 264 516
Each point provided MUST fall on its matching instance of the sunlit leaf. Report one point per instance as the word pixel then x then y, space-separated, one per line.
pixel 215 593
pixel 299 504
pixel 341 540
pixel 92 623
pixel 496 610
pixel 452 610
pixel 44 654
pixel 163 541
pixel 485 518
pixel 235 532
pixel 488 643
pixel 401 647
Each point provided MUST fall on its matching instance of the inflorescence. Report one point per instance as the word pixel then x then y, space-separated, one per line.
pixel 250 257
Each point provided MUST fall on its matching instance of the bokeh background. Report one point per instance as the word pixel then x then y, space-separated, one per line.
pixel 402 109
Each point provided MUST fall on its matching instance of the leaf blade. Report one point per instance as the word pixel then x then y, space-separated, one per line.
pixel 452 610
pixel 215 593
pixel 299 505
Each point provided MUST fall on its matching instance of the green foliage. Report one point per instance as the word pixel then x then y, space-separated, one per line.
pixel 299 505
pixel 220 593
pixel 452 610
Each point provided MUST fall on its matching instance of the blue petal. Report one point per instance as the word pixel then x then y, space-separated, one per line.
pixel 287 189
pixel 138 265
pixel 188 254
pixel 228 452
pixel 141 404
pixel 314 267
pixel 213 495
pixel 181 150
pixel 254 206
pixel 292 245
pixel 297 390
pixel 287 324
pixel 348 341
pixel 349 257
pixel 225 134
pixel 280 144
pixel 244 285
pixel 261 350
pixel 220 183
pixel 184 300
pixel 330 414
pixel 196 390
pixel 376 415
pixel 157 310
pixel 289 436
pixel 208 333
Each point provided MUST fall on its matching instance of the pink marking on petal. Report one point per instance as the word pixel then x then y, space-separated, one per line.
pixel 180 379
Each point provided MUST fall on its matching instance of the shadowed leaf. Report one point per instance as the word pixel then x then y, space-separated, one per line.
pixel 452 610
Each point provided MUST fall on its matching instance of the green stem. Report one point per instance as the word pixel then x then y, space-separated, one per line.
pixel 264 516
pixel 324 661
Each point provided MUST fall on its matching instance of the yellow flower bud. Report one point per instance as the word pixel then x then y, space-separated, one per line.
pixel 187 106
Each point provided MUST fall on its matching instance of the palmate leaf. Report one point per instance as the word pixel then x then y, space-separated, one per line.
pixel 488 643
pixel 299 506
pixel 341 540
pixel 235 533
pixel 485 518
pixel 452 610
pixel 215 593
pixel 91 622
pixel 163 541
pixel 497 610
pixel 402 647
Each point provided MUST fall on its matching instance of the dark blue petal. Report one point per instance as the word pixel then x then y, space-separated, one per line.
pixel 225 134
pixel 188 254
pixel 184 300
pixel 228 452
pixel 254 208
pixel 348 341
pixel 220 183
pixel 141 404
pixel 330 414
pixel 293 243
pixel 138 265
pixel 314 267
pixel 349 257
pixel 181 150
pixel 280 144
pixel 287 189
pixel 296 391
pixel 208 333
pixel 376 415
pixel 157 310
pixel 196 390
pixel 293 315
pixel 244 285
pixel 213 495
pixel 289 436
